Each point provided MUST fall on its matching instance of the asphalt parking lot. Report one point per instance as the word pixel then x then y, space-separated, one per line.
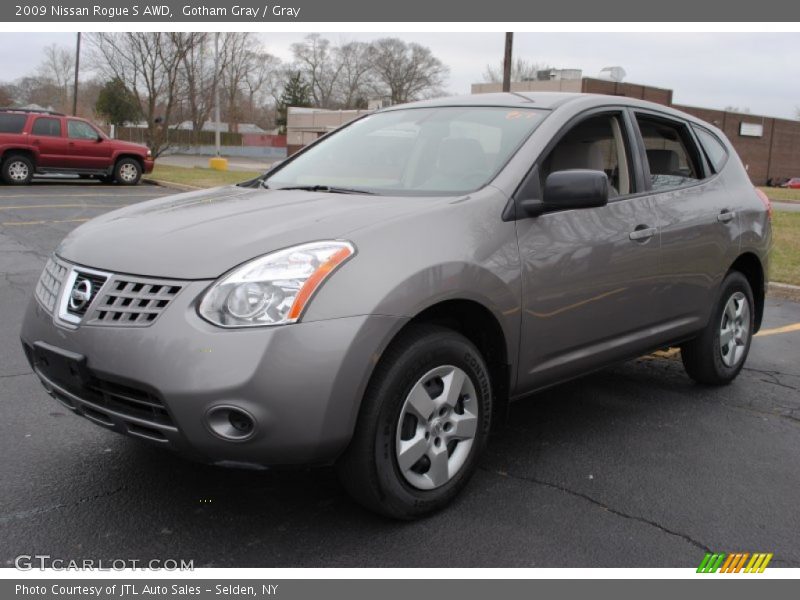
pixel 633 466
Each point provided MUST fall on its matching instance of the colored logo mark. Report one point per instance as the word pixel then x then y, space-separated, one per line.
pixel 735 562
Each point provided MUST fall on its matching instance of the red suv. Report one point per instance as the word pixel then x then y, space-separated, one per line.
pixel 49 142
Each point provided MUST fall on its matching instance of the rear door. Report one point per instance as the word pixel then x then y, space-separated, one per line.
pixel 88 148
pixel 589 276
pixel 47 136
pixel 696 216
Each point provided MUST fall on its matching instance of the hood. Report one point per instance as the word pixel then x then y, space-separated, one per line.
pixel 132 146
pixel 201 235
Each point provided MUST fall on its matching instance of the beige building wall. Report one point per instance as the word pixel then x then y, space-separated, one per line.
pixel 304 125
pixel 553 85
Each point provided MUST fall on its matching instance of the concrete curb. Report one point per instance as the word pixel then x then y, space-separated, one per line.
pixel 175 186
pixel 786 291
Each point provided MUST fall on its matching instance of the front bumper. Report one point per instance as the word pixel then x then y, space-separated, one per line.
pixel 302 383
pixel 149 163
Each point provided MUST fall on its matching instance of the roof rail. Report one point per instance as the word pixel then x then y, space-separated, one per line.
pixel 32 110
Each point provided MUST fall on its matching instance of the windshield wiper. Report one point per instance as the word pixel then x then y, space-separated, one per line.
pixel 328 188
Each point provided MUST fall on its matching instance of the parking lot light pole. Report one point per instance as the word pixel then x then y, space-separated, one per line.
pixel 217 162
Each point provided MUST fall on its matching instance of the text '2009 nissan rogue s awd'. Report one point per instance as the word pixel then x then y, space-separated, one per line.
pixel 371 301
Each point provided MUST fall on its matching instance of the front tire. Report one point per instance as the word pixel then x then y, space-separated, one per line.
pixel 127 171
pixel 17 170
pixel 718 354
pixel 423 424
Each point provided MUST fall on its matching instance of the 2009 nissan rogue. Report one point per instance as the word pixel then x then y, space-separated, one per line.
pixel 372 300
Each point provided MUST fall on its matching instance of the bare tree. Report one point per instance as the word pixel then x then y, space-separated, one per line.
pixel 406 72
pixel 198 76
pixel 521 70
pixel 149 65
pixel 58 69
pixel 355 74
pixel 262 82
pixel 237 49
pixel 8 94
pixel 316 61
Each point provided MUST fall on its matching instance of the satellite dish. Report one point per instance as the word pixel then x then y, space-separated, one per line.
pixel 612 73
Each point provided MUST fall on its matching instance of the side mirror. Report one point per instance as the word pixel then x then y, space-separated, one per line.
pixel 565 190
pixel 99 138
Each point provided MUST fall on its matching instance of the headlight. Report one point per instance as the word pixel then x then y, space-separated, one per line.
pixel 273 289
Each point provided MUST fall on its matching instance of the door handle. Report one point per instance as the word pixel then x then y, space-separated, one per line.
pixel 642 232
pixel 726 216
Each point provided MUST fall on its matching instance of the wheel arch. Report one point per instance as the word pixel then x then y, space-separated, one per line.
pixel 749 265
pixel 480 326
pixel 123 155
pixel 26 152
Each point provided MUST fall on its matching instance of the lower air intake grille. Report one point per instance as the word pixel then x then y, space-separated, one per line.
pixel 129 302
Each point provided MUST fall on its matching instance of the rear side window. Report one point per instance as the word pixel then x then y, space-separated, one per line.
pixel 715 151
pixel 672 156
pixel 10 123
pixel 46 126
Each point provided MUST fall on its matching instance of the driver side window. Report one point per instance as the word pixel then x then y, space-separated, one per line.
pixel 78 130
pixel 598 144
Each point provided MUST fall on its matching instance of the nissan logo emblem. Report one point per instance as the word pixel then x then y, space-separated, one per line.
pixel 80 295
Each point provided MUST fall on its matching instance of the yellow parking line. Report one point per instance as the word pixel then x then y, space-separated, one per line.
pixel 9 223
pixel 30 206
pixel 776 330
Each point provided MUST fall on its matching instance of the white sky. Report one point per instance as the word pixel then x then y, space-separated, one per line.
pixel 754 70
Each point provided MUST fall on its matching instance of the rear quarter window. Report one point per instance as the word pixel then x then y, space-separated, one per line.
pixel 715 151
pixel 12 123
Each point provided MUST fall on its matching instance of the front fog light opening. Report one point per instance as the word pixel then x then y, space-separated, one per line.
pixel 231 423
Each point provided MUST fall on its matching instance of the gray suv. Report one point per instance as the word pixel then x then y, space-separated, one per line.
pixel 374 300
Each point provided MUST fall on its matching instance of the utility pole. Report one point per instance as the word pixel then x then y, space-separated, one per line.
pixel 507 63
pixel 77 68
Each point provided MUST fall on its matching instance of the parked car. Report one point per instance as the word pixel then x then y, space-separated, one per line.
pixel 373 301
pixel 793 183
pixel 47 142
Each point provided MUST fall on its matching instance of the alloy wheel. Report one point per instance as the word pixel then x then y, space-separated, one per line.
pixel 734 329
pixel 18 170
pixel 128 172
pixel 437 427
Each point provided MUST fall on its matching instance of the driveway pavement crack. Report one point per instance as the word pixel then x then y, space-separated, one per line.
pixel 596 502
pixel 26 514
pixel 15 375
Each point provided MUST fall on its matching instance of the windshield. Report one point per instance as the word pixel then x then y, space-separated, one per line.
pixel 420 151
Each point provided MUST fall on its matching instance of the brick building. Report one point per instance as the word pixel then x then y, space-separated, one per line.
pixel 768 146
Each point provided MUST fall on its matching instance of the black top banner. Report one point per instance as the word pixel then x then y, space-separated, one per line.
pixel 259 12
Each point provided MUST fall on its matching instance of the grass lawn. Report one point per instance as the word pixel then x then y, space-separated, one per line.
pixel 781 194
pixel 785 267
pixel 198 177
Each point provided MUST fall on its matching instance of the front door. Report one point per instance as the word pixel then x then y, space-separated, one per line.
pixel 589 276
pixel 88 149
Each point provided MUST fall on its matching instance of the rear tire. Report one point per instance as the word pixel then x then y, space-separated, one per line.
pixel 17 169
pixel 127 171
pixel 718 354
pixel 423 424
